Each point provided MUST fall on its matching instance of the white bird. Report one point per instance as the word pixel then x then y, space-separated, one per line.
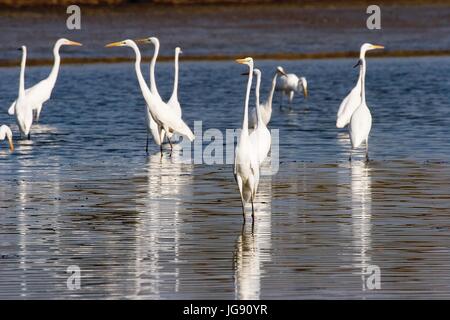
pixel 246 166
pixel 160 112
pixel 266 107
pixel 361 119
pixel 5 132
pixel 260 136
pixel 41 92
pixel 291 83
pixel 23 108
pixel 173 103
pixel 353 99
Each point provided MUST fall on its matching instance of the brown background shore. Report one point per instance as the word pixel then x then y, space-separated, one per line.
pixel 308 3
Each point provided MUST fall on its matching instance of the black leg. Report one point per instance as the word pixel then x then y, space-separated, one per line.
pixel 146 145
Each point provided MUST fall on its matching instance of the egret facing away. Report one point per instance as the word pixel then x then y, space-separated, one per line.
pixel 173 101
pixel 266 107
pixel 260 136
pixel 23 108
pixel 361 119
pixel 160 112
pixel 41 92
pixel 5 132
pixel 246 165
pixel 291 83
pixel 353 99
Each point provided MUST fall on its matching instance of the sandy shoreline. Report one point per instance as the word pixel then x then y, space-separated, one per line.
pixel 192 58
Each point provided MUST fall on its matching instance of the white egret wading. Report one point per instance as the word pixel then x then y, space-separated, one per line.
pixel 5 132
pixel 38 94
pixel 23 107
pixel 260 136
pixel 290 83
pixel 266 107
pixel 353 99
pixel 246 165
pixel 160 112
pixel 361 119
pixel 173 101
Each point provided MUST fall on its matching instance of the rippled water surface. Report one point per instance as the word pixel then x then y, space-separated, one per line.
pixel 83 192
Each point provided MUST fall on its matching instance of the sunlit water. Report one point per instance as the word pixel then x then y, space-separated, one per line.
pixel 83 192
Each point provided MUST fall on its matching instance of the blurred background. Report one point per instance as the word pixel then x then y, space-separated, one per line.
pixel 222 30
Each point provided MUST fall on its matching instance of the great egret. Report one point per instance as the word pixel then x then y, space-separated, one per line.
pixel 38 94
pixel 5 132
pixel 173 101
pixel 260 136
pixel 160 112
pixel 266 107
pixel 246 166
pixel 174 105
pixel 361 119
pixel 291 83
pixel 353 99
pixel 23 108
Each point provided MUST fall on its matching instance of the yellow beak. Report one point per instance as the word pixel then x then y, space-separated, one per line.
pixel 73 43
pixel 376 46
pixel 114 44
pixel 241 61
pixel 11 145
pixel 305 92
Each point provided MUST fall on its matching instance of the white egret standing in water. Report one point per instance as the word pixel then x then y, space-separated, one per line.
pixel 266 107
pixel 38 94
pixel 260 136
pixel 160 112
pixel 361 119
pixel 23 107
pixel 353 99
pixel 291 83
pixel 5 132
pixel 246 166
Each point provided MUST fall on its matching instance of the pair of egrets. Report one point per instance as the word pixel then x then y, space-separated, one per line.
pixel 31 100
pixel 353 110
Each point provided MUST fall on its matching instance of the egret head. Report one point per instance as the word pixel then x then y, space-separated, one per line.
pixel 304 85
pixel 280 71
pixel 153 40
pixel 123 43
pixel 66 42
pixel 5 131
pixel 367 47
pixel 248 61
pixel 22 48
pixel 178 50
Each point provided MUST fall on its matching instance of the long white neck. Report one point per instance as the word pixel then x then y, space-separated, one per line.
pixel 247 97
pixel 137 66
pixel 175 79
pixel 258 110
pixel 153 87
pixel 363 80
pixel 22 73
pixel 272 90
pixel 57 61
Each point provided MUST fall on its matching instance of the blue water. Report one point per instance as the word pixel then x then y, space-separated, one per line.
pixel 83 191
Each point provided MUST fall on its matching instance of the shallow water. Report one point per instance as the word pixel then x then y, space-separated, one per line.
pixel 83 192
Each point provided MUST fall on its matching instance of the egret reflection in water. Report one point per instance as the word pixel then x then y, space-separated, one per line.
pixel 361 200
pixel 253 247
